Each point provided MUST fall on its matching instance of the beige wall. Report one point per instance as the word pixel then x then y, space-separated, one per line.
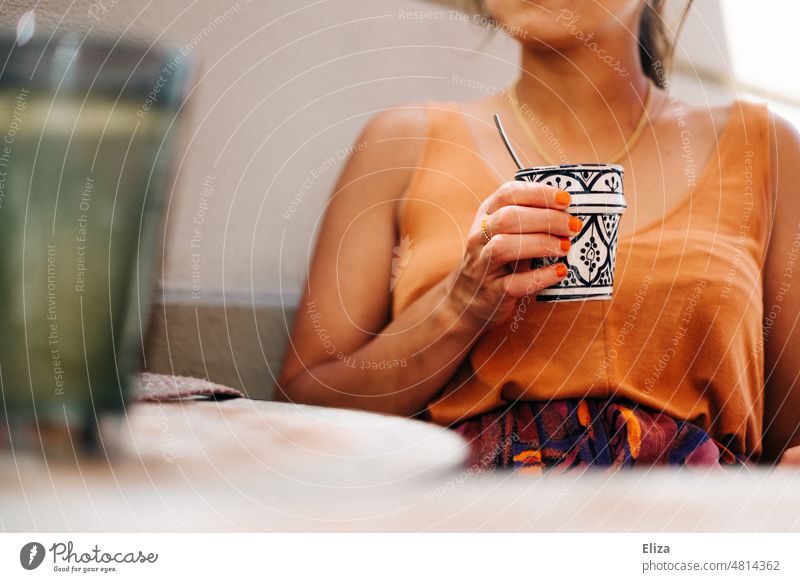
pixel 282 88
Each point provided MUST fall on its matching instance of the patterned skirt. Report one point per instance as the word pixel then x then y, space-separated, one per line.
pixel 564 435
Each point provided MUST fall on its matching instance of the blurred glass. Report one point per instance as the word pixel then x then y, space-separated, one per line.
pixel 85 132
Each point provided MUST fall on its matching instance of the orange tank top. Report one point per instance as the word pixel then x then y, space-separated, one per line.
pixel 683 332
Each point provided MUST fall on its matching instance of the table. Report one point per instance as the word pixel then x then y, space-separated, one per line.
pixel 246 465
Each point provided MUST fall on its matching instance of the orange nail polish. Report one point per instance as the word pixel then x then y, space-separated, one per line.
pixel 563 197
pixel 565 244
pixel 575 224
pixel 561 269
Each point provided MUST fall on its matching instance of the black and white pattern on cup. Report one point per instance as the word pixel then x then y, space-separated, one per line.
pixel 592 258
pixel 592 275
pixel 578 178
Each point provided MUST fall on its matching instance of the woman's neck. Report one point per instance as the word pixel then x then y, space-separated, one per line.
pixel 601 74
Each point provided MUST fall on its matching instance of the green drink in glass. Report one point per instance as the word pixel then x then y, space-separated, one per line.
pixel 85 131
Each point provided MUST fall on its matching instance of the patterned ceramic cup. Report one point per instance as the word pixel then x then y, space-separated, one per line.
pixel 598 200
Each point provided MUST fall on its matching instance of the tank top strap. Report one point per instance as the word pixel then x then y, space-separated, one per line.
pixel 452 147
pixel 448 149
pixel 747 165
pixel 437 209
pixel 753 119
pixel 752 140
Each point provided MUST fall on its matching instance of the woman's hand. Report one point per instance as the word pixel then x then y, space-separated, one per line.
pixel 523 220
pixel 790 457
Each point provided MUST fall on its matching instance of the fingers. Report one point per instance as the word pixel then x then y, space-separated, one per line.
pixel 508 248
pixel 520 284
pixel 517 193
pixel 522 265
pixel 523 219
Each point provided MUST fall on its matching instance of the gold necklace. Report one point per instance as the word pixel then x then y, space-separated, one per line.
pixel 620 155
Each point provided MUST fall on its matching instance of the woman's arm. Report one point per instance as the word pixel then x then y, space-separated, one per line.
pixel 782 295
pixel 344 349
pixel 330 357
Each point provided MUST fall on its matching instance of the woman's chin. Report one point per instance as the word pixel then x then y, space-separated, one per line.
pixel 556 24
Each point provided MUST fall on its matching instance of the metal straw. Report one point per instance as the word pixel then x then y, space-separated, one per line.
pixel 506 141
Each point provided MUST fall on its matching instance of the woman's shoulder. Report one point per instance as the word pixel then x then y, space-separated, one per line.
pixel 784 148
pixel 784 211
pixel 387 150
pixel 716 112
pixel 698 118
pixel 783 134
pixel 749 123
pixel 410 120
pixel 400 120
pixel 393 137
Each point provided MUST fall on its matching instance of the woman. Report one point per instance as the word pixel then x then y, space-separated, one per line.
pixel 420 270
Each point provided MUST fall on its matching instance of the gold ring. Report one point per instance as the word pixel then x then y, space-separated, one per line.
pixel 483 228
